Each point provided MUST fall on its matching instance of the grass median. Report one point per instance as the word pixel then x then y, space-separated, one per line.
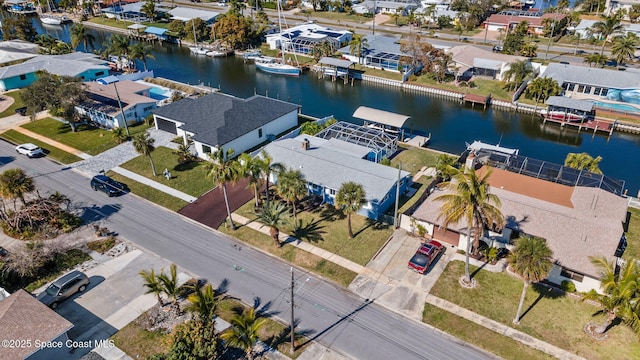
pixel 56 154
pixel 548 315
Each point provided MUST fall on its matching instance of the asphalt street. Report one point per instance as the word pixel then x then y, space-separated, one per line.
pixel 325 312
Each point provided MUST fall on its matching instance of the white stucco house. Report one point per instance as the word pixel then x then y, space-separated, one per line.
pixel 220 121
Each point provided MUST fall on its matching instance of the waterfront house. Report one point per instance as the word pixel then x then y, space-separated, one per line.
pixel 585 29
pixel 85 66
pixel 16 51
pixel 326 164
pixel 302 38
pixel 470 60
pixel 578 213
pixel 186 14
pixel 606 88
pixel 507 20
pixel 23 318
pixel 221 121
pixel 438 11
pixel 387 7
pixel 103 106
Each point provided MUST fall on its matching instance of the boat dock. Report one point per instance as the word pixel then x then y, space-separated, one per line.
pixel 418 140
pixel 477 99
pixel 595 125
pixel 334 68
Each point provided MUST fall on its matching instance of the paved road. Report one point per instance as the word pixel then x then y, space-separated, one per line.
pixel 327 313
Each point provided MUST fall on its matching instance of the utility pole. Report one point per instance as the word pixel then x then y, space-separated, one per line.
pixel 375 5
pixel 396 223
pixel 293 325
pixel 124 118
pixel 553 29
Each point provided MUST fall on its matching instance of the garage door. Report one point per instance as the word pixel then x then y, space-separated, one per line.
pixel 166 125
pixel 446 235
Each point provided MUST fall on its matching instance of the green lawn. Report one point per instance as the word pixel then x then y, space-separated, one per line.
pixel 139 343
pixel 145 191
pixel 498 344
pixel 327 228
pixel 293 255
pixel 553 318
pixel 88 139
pixel 17 103
pixel 190 178
pixel 335 16
pixel 392 75
pixel 483 87
pixel 633 236
pixel 413 159
pixel 52 152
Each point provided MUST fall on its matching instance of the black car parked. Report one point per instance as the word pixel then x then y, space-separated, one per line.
pixel 107 185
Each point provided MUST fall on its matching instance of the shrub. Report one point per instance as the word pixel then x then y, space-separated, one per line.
pixel 119 135
pixel 386 161
pixel 491 254
pixel 102 245
pixel 421 230
pixel 568 286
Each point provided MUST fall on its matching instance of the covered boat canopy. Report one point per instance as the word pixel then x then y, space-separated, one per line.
pixel 155 30
pixel 136 26
pixel 569 103
pixel 381 117
pixel 335 62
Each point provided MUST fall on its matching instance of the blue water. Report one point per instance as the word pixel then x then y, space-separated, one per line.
pixel 618 107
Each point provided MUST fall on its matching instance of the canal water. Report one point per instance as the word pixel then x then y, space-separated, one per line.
pixel 449 123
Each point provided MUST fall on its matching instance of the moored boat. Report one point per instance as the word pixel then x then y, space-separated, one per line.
pixel 562 116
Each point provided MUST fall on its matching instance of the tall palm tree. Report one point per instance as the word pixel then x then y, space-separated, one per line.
pixel 152 283
pixel 583 161
pixel 543 87
pixel 621 294
pixel 470 200
pixel 268 168
pixel 529 49
pixel 204 303
pixel 532 260
pixel 79 35
pixel 117 45
pixel 170 286
pixel 222 169
pixel 252 167
pixel 517 73
pixel 624 47
pixel 15 184
pixel 273 215
pixel 598 59
pixel 610 25
pixel 292 187
pixel 243 332
pixel 142 52
pixel 144 146
pixel 576 38
pixel 357 43
pixel 351 197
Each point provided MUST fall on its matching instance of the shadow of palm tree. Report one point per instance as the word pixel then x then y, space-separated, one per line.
pixel 544 292
pixel 311 231
pixel 329 212
pixel 376 225
pixel 186 166
pixel 264 309
pixel 285 336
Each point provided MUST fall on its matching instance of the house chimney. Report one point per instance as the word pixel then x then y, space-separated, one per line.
pixel 471 161
pixel 305 144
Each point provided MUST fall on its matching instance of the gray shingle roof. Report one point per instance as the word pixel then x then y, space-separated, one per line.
pixel 569 103
pixel 593 76
pixel 216 119
pixel 322 165
pixel 65 65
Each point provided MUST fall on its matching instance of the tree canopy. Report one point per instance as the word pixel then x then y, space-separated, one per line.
pixel 58 94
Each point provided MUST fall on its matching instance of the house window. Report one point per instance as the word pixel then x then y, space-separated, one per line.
pixel 259 133
pixel 604 92
pixel 147 108
pixel 23 77
pixel 331 192
pixel 580 88
pixel 587 90
pixel 99 73
pixel 206 149
pixel 571 275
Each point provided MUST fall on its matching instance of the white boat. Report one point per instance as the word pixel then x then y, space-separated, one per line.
pixel 48 18
pixel 198 50
pixel 562 116
pixel 219 53
pixel 279 68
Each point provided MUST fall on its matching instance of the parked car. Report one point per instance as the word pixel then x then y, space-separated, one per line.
pixel 424 256
pixel 107 185
pixel 29 149
pixel 497 48
pixel 63 288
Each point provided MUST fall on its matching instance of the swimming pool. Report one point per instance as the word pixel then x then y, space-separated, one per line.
pixel 616 106
pixel 158 93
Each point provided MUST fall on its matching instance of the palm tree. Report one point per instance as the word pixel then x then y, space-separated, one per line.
pixel 624 47
pixel 357 43
pixel 583 161
pixel 222 169
pixel 529 49
pixel 15 184
pixel 117 45
pixel 517 72
pixel 576 37
pixel 170 286
pixel 252 167
pixel 470 200
pixel 598 59
pixel 268 168
pixel 291 187
pixel 149 9
pixel 532 260
pixel 621 294
pixel 608 26
pixel 244 329
pixel 142 52
pixel 204 303
pixel 152 284
pixel 351 197
pixel 542 88
pixel 273 215
pixel 79 35
pixel 144 146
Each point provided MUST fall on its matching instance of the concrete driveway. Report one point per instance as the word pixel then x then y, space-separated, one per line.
pixel 394 285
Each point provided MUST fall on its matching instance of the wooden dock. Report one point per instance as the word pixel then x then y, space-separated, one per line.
pixel 594 125
pixel 418 140
pixel 477 99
